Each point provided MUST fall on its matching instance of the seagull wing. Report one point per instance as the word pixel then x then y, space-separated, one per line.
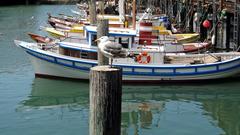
pixel 113 45
pixel 113 51
pixel 122 54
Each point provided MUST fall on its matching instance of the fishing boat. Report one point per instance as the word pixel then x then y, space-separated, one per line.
pixel 151 63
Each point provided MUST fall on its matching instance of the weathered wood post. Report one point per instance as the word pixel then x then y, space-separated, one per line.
pixel 101 7
pixel 92 12
pixel 102 30
pixel 134 14
pixel 105 100
pixel 105 93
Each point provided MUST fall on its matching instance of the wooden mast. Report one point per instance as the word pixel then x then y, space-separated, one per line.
pixel 134 14
pixel 92 12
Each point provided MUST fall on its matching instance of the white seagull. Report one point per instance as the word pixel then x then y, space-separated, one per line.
pixel 111 50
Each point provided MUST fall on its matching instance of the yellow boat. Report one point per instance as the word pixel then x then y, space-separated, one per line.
pixel 181 38
pixel 186 38
pixel 65 33
pixel 55 33
pixel 109 17
pixel 77 29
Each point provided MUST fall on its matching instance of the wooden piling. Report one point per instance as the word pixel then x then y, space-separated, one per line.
pixel 92 12
pixel 101 7
pixel 105 100
pixel 102 30
pixel 134 14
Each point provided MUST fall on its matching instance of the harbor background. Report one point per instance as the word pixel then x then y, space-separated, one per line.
pixel 32 2
pixel 36 106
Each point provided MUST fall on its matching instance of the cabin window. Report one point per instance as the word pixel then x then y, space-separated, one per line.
pixel 89 55
pixel 124 41
pixel 74 53
pixel 92 55
pixel 69 52
pixel 78 54
pixel 93 38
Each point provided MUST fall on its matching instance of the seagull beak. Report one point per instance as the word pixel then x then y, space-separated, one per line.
pixel 97 40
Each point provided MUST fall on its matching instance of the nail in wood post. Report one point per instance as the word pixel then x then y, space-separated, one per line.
pixel 105 100
pixel 102 30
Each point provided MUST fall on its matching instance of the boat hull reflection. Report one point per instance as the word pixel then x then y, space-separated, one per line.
pixel 151 107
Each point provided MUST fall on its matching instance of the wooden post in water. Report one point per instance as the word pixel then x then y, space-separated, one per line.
pixel 105 100
pixel 102 30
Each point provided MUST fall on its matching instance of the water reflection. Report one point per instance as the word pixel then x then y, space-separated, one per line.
pixel 47 92
pixel 211 109
pixel 218 103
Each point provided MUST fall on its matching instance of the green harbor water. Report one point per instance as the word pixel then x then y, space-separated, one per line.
pixel 36 106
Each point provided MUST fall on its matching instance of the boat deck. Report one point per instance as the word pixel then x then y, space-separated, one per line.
pixel 199 59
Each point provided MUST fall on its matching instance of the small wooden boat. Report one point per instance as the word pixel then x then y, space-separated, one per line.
pixel 67 23
pixel 62 33
pixel 180 38
pixel 60 26
pixel 186 38
pixel 66 20
pixel 40 39
pixel 55 33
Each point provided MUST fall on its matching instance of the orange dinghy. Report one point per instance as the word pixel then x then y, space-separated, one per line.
pixel 39 38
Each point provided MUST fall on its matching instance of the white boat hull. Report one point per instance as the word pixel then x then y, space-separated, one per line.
pixel 55 65
pixel 45 68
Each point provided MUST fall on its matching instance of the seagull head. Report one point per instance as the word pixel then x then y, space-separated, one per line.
pixel 103 39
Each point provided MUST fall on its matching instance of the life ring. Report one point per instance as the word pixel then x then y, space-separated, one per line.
pixel 143 58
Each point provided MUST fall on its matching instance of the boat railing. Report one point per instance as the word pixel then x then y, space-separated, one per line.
pixel 74 39
pixel 47 46
pixel 200 58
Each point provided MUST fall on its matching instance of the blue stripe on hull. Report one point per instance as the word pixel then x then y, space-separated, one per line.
pixel 72 64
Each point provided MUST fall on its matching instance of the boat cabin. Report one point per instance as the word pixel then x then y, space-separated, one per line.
pixel 87 47
pixel 125 36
